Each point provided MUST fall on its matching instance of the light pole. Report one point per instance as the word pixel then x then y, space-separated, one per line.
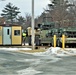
pixel 33 33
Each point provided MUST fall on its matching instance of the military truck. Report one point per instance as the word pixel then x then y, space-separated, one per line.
pixel 41 33
pixel 70 36
pixel 46 33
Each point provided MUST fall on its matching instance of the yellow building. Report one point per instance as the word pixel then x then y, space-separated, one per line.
pixel 10 35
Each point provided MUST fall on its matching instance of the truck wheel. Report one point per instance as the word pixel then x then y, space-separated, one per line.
pixel 52 44
pixel 59 43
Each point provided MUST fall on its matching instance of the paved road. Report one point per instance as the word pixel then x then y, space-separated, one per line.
pixel 13 63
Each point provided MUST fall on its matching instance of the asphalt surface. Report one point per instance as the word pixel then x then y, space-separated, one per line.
pixel 16 63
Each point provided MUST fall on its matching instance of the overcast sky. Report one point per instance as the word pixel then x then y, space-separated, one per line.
pixel 25 5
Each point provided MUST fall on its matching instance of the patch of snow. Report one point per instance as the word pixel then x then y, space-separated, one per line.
pixel 53 51
pixel 14 49
pixel 61 52
pixel 56 51
pixel 28 71
pixel 2 59
pixel 28 60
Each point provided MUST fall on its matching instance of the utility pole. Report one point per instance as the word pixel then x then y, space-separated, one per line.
pixel 33 33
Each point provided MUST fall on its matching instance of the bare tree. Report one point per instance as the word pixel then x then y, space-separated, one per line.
pixel 28 20
pixel 59 12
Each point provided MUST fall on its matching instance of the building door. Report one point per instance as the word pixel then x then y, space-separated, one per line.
pixel 6 35
pixel 16 35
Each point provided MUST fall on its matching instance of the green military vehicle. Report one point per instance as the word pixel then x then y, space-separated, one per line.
pixel 48 31
pixel 70 36
pixel 45 32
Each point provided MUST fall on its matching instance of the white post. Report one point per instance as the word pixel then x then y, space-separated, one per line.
pixel 33 33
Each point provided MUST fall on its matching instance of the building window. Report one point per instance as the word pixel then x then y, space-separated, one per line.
pixel 17 32
pixel 7 31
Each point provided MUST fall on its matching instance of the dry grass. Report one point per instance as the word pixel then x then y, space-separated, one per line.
pixel 33 51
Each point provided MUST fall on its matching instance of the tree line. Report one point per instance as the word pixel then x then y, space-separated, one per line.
pixel 62 12
pixel 10 15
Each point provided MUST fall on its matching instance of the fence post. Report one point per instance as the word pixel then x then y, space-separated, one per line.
pixel 63 41
pixel 54 40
